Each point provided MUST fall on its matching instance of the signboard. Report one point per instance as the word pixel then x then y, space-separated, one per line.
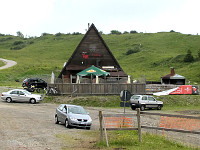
pixel 181 90
pixel 185 89
pixel 125 95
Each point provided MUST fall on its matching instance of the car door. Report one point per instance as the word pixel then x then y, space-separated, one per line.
pixel 14 95
pixel 22 97
pixel 61 113
pixel 144 100
pixel 152 102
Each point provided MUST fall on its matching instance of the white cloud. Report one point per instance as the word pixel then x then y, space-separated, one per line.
pixel 33 17
pixel 23 15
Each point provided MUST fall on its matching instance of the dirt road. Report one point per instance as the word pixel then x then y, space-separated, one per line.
pixel 8 63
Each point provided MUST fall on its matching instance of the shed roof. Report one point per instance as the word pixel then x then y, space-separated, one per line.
pixel 172 75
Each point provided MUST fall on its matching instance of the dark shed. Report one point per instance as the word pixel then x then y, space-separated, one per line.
pixel 173 78
pixel 92 50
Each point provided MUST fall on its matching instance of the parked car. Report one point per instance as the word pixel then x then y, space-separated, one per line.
pixel 145 101
pixel 32 84
pixel 20 96
pixel 73 116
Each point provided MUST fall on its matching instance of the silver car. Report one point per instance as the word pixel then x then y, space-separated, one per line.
pixel 73 115
pixel 20 96
pixel 145 101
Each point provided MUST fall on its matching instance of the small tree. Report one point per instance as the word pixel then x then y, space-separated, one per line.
pixel 188 57
pixel 20 34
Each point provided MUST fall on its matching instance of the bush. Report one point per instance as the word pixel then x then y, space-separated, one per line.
pixel 126 32
pixel 76 33
pixel 58 34
pixel 188 57
pixel 115 32
pixel 133 31
pixel 18 42
pixel 44 34
pixel 18 47
pixel 131 51
pixel 136 49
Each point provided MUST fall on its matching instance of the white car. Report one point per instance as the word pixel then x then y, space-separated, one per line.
pixel 145 101
pixel 20 96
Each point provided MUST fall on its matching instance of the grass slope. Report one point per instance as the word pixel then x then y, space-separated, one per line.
pixel 157 53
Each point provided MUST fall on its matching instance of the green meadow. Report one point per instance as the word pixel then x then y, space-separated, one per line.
pixel 139 54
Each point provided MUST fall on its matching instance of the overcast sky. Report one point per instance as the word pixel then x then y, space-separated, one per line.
pixel 34 17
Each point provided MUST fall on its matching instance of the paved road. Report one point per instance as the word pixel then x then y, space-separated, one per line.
pixel 8 63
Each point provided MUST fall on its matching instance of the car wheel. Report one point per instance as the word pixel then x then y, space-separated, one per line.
pixel 8 99
pixel 32 101
pixel 133 108
pixel 38 90
pixel 67 124
pixel 142 107
pixel 159 107
pixel 56 119
pixel 88 128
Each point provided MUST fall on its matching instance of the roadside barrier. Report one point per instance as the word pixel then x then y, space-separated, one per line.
pixel 176 123
pixel 179 123
pixel 166 122
pixel 119 122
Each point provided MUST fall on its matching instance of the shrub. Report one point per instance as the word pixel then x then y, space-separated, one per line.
pixel 132 51
pixel 133 31
pixel 18 42
pixel 126 32
pixel 58 34
pixel 18 47
pixel 44 34
pixel 115 32
pixel 188 57
pixel 76 33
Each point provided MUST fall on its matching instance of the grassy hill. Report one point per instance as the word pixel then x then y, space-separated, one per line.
pixel 150 54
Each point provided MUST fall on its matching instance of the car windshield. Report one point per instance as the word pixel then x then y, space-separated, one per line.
pixel 76 110
pixel 135 97
pixel 26 92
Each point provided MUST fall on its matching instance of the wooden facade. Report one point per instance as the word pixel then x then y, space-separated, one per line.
pixel 92 50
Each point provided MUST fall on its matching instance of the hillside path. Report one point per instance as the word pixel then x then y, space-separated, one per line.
pixel 8 63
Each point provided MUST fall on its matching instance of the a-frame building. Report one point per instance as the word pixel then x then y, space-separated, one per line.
pixel 92 50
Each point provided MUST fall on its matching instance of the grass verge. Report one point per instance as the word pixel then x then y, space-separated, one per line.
pixel 171 102
pixel 129 140
pixel 122 140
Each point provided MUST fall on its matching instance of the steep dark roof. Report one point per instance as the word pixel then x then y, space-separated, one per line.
pixel 82 67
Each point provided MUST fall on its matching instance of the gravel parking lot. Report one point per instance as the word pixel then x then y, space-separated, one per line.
pixel 31 126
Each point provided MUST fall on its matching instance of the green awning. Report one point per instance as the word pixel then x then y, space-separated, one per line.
pixel 93 71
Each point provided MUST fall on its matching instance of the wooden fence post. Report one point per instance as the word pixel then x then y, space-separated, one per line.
pixel 139 125
pixel 101 125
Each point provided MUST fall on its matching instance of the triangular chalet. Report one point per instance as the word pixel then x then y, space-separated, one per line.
pixel 92 50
